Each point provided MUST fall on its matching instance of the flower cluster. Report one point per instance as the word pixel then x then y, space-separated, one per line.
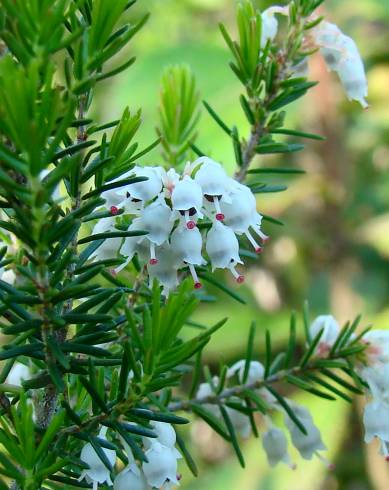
pixel 180 213
pixel 339 51
pixel 373 369
pixel 160 470
pixel 274 439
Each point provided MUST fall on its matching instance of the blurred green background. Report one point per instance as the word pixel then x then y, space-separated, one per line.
pixel 334 246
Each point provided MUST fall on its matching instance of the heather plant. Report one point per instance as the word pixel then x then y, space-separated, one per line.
pixel 104 259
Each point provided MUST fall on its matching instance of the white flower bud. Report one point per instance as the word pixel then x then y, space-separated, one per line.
pixel 7 276
pixel 97 471
pixel 270 24
pixel 205 390
pixel 169 180
pixel 377 350
pixel 130 479
pixel 306 444
pixel 223 249
pixel 148 189
pixel 256 371
pixel 187 245
pixel 161 465
pixel 187 198
pixel 331 330
pixel 18 373
pixel 275 445
pixel 166 435
pixel 240 422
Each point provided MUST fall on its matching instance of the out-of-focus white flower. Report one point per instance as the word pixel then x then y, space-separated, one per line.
pixel 7 275
pixel 376 422
pixel 97 471
pixel 270 24
pixel 187 245
pixel 18 373
pixel 166 435
pixel 223 249
pixel 275 444
pixel 110 247
pixel 240 214
pixel 342 55
pixel 377 350
pixel 161 465
pixel 214 183
pixel 377 378
pixel 165 268
pixel 205 390
pixel 331 330
pixel 131 477
pixel 307 444
pixel 239 421
pixel 256 371
pixel 156 219
pixel 169 180
pixel 135 245
pixel 148 189
pixel 187 199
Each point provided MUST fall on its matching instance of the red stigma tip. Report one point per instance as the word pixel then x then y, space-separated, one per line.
pixel 266 239
pixel 153 261
pixel 240 279
pixel 220 216
pixel 258 250
pixel 190 225
pixel 198 285
pixel 179 476
pixel 114 210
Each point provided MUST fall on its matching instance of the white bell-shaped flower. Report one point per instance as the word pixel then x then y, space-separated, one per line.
pixel 377 350
pixel 7 275
pixel 331 330
pixel 376 420
pixel 161 465
pixel 131 479
pixel 341 54
pixel 135 245
pixel 240 214
pixel 270 24
pixel 166 435
pixel 165 268
pixel 148 189
pixel 275 444
pixel 307 444
pixel 110 247
pixel 18 373
pixel 256 371
pixel 205 390
pixel 377 378
pixel 239 421
pixel 97 471
pixel 187 199
pixel 187 245
pixel 214 182
pixel 156 219
pixel 223 249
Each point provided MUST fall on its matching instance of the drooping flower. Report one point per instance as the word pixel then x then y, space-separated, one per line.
pixel 110 247
pixel 156 219
pixel 214 182
pixel 166 435
pixel 187 199
pixel 135 245
pixel 239 421
pixel 165 268
pixel 131 477
pixel 97 473
pixel 256 371
pixel 330 328
pixel 269 26
pixel 240 214
pixel 205 390
pixel 18 373
pixel 187 245
pixel 341 55
pixel 148 189
pixel 275 444
pixel 223 249
pixel 308 444
pixel 161 465
pixel 377 350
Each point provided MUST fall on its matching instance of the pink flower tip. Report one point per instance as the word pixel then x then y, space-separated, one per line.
pixel 331 466
pixel 220 216
pixel 190 225
pixel 265 239
pixel 153 261
pixel 179 476
pixel 240 279
pixel 198 285
pixel 114 210
pixel 258 250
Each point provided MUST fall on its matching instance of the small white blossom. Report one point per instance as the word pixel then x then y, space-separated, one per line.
pixel 97 473
pixel 307 444
pixel 239 421
pixel 223 249
pixel 131 477
pixel 18 373
pixel 187 244
pixel 110 247
pixel 377 350
pixel 270 24
pixel 205 390
pixel 256 371
pixel 187 199
pixel 331 330
pixel 135 245
pixel 156 219
pixel 341 55
pixel 161 465
pixel 7 275
pixel 148 189
pixel 164 268
pixel 275 444
pixel 376 422
pixel 169 180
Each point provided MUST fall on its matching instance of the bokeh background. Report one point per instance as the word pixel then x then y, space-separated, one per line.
pixel 334 246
